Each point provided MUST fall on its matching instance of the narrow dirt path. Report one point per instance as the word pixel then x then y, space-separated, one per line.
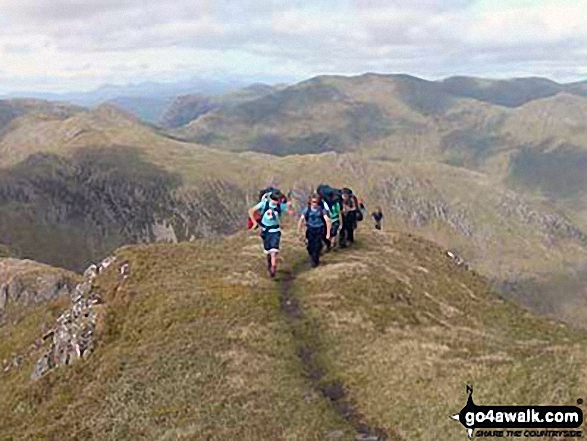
pixel 307 339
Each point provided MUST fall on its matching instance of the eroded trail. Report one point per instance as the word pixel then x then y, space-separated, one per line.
pixel 307 339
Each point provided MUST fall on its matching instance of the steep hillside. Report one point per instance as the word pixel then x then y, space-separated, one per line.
pixel 527 133
pixel 397 116
pixel 510 93
pixel 468 122
pixel 105 179
pixel 321 114
pixel 378 342
pixel 15 108
pixel 559 119
pixel 72 189
pixel 72 208
pixel 187 108
pixel 69 211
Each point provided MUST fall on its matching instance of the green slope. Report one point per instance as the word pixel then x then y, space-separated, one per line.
pixel 198 343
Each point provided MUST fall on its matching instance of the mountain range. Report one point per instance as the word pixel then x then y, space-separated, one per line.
pixel 193 342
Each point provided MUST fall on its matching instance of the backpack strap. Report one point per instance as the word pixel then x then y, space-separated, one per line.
pixel 266 208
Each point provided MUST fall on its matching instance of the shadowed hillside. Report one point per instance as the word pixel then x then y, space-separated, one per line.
pixel 69 211
pixel 509 93
pixel 379 341
pixel 105 179
pixel 187 108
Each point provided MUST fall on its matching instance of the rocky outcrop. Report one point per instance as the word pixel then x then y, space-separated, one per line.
pixel 25 283
pixel 401 196
pixel 553 226
pixel 458 260
pixel 421 211
pixel 73 336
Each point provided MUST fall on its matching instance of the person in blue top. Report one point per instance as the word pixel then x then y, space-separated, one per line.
pixel 317 221
pixel 270 208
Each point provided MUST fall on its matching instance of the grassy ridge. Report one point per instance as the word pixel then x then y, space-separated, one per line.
pixel 195 346
pixel 405 330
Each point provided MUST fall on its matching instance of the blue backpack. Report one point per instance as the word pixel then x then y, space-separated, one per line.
pixel 321 212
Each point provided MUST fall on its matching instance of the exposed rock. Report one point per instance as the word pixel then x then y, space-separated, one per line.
pixel 43 365
pixel 26 283
pixel 553 226
pixel 73 336
pixel 457 259
pixel 334 434
pixel 420 211
pixel 164 232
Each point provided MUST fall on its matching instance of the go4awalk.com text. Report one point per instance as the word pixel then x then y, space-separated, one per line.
pixel 528 433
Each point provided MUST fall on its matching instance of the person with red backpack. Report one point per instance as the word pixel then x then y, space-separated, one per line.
pixel 270 209
pixel 317 222
pixel 263 196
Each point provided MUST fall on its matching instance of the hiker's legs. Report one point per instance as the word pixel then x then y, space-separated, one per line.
pixel 317 246
pixel 347 228
pixel 334 233
pixel 271 242
pixel 315 237
pixel 343 231
pixel 273 268
pixel 327 242
pixel 352 224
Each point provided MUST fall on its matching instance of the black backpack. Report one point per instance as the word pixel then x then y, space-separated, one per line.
pixel 329 194
pixel 269 190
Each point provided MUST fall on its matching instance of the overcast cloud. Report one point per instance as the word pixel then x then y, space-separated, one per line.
pixel 75 44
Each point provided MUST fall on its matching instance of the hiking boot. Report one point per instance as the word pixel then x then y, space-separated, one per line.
pixel 272 272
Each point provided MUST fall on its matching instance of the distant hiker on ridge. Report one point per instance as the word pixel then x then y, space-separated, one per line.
pixel 270 209
pixel 316 220
pixel 377 217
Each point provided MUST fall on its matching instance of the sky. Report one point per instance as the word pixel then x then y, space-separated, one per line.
pixel 75 45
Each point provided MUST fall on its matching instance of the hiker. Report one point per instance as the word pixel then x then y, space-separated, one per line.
pixel 349 218
pixel 362 211
pixel 323 192
pixel 316 220
pixel 264 196
pixel 270 209
pixel 335 213
pixel 377 217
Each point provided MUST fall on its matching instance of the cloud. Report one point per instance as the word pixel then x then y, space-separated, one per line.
pixel 85 42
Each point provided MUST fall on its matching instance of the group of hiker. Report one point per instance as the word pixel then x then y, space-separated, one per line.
pixel 329 219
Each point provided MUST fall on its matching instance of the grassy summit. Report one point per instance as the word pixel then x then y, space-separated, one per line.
pixel 197 343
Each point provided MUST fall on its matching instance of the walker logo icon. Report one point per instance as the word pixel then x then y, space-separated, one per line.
pixel 519 421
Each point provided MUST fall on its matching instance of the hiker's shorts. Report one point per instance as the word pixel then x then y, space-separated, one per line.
pixel 334 229
pixel 271 241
